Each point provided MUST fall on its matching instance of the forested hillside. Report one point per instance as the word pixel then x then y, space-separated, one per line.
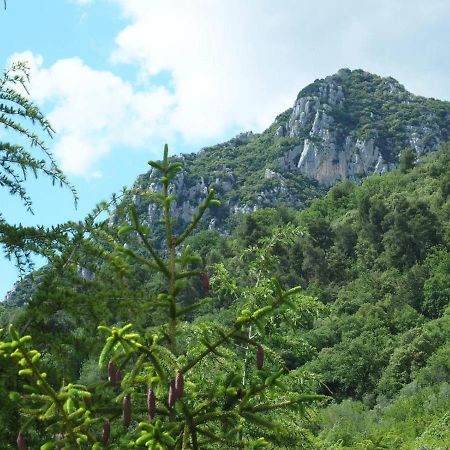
pixel 346 126
pixel 371 329
pixel 285 290
pixel 377 256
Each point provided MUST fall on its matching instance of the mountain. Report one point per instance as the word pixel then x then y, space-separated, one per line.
pixel 372 323
pixel 346 126
pixel 354 123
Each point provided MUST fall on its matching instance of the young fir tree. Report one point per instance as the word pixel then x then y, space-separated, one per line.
pixel 168 386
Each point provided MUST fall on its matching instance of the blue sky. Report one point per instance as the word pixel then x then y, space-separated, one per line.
pixel 118 78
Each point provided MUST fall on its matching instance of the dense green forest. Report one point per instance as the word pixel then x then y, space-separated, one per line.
pixel 376 256
pixel 370 330
pixel 228 300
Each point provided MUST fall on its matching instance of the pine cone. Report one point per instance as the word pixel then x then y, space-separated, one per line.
pixel 172 394
pixel 239 394
pixel 21 442
pixel 205 281
pixel 126 410
pixel 106 432
pixel 112 373
pixel 259 357
pixel 151 405
pixel 60 437
pixel 179 385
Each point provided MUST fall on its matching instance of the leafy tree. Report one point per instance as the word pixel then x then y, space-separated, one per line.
pixel 412 227
pixel 352 367
pixel 407 160
pixel 437 286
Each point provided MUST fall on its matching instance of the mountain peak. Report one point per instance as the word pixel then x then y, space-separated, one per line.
pixel 355 123
pixel 357 77
pixel 345 126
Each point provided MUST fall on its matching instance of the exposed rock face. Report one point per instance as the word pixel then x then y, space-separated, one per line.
pixel 328 163
pixel 325 155
pixel 346 126
pixel 331 150
pixel 188 197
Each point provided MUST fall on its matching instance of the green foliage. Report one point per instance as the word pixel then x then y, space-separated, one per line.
pixel 222 399
pixel 23 120
pixel 407 160
pixel 436 288
pixel 371 321
pixel 377 254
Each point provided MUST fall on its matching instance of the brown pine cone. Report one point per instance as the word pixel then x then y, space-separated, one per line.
pixel 151 405
pixel 179 385
pixel 21 442
pixel 106 432
pixel 112 373
pixel 259 357
pixel 205 281
pixel 172 394
pixel 126 410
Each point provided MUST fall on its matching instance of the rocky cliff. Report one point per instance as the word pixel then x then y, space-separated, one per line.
pixel 354 124
pixel 347 126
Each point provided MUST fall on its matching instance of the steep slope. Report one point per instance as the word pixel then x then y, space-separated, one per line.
pixel 346 126
pixel 355 123
pixel 377 254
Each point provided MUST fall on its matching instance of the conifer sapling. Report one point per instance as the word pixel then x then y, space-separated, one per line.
pixel 151 361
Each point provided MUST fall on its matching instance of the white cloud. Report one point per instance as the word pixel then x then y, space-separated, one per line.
pixel 94 111
pixel 233 65
pixel 226 59
pixel 241 63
